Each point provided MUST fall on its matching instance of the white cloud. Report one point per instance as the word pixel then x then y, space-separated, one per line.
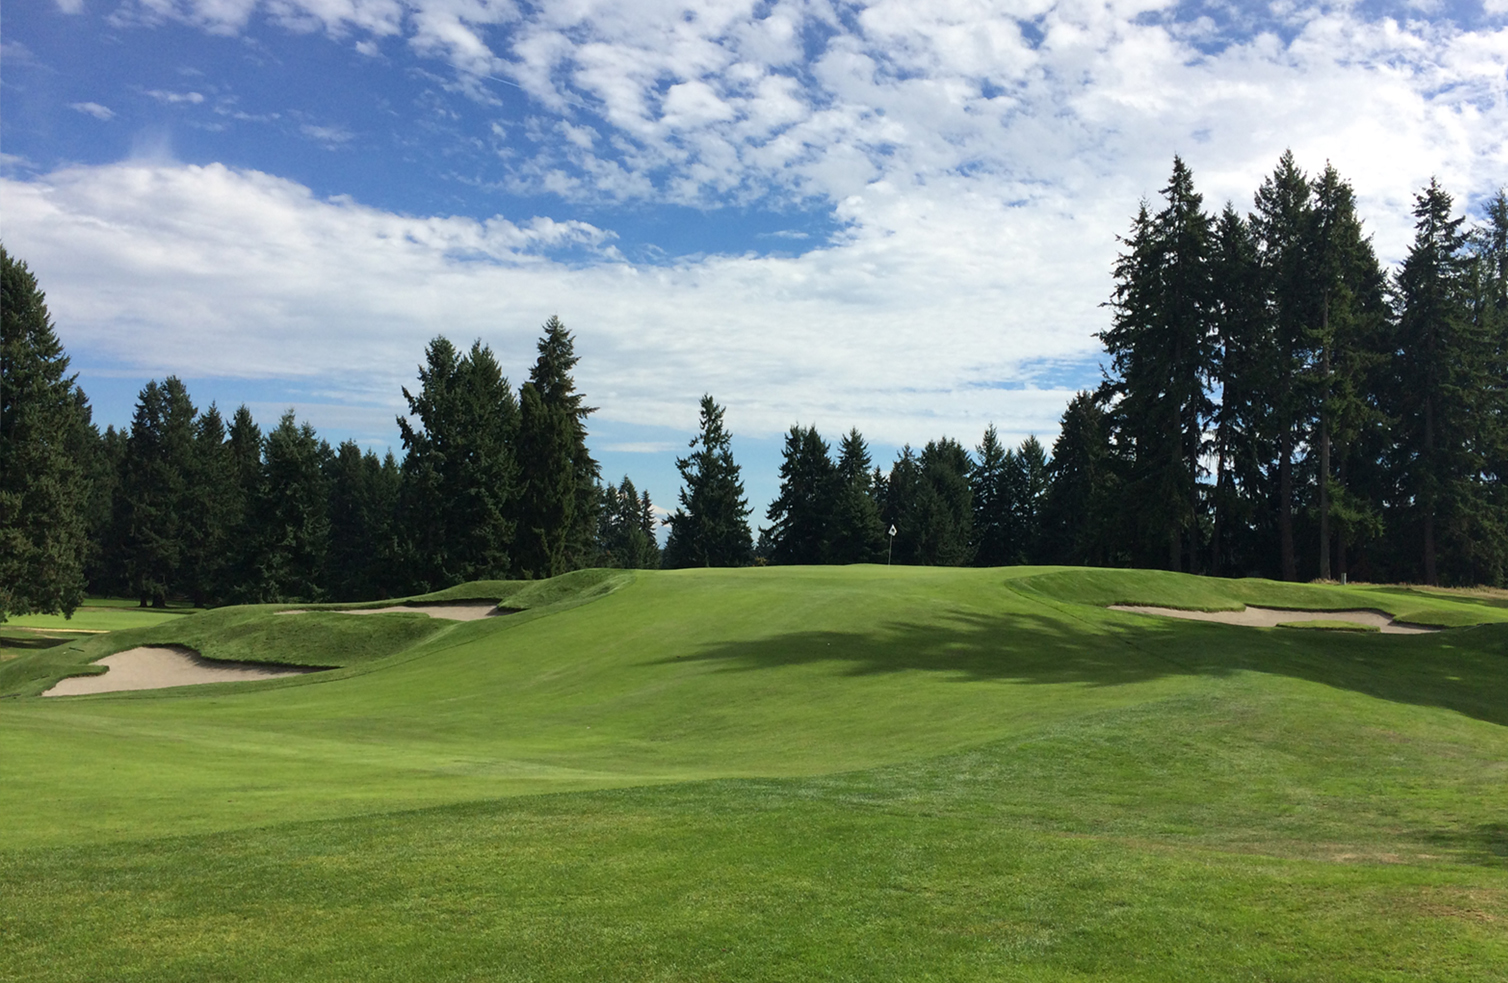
pixel 71 6
pixel 330 136
pixel 93 109
pixel 173 98
pixel 208 271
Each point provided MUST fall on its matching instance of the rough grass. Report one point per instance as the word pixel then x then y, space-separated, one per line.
pixel 786 774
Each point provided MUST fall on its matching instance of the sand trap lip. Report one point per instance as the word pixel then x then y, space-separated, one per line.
pixel 161 666
pixel 450 612
pixel 1254 617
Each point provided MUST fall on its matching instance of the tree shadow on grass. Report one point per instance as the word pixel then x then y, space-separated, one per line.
pixel 1464 669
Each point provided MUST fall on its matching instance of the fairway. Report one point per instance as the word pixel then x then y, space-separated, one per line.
pixel 784 773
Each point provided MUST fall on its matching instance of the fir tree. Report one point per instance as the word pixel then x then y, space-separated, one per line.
pixel 1440 368
pixel 803 512
pixel 1283 228
pixel 213 511
pixel 1077 507
pixel 627 528
pixel 1161 350
pixel 903 507
pixel 858 536
pixel 363 502
pixel 152 505
pixel 559 494
pixel 460 475
pixel 44 478
pixel 292 516
pixel 711 527
pixel 944 506
pixel 990 481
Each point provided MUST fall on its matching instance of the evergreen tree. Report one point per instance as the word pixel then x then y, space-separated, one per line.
pixel 1283 228
pixel 944 506
pixel 990 482
pixel 238 575
pixel 1351 339
pixel 627 531
pixel 1077 507
pixel 903 508
pixel 103 571
pixel 711 527
pixel 804 511
pixel 1029 481
pixel 858 536
pixel 559 495
pixel 1161 351
pixel 44 480
pixel 363 503
pixel 1242 362
pixel 1441 365
pixel 152 503
pixel 460 475
pixel 292 516
pixel 213 511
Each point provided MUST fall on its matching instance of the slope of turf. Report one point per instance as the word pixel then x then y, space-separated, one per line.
pixel 851 773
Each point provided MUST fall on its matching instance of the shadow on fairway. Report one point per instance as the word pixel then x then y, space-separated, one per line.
pixel 1464 669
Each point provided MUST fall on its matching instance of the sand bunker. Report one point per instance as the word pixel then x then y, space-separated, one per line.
pixel 1272 617
pixel 158 667
pixel 450 612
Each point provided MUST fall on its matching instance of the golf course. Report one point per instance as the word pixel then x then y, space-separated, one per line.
pixel 784 773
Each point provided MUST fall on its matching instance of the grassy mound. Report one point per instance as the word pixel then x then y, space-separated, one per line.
pixel 1320 624
pixel 1160 588
pixel 320 637
pixel 787 773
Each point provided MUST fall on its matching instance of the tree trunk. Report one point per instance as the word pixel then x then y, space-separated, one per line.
pixel 1285 504
pixel 1430 575
pixel 1324 448
pixel 1219 507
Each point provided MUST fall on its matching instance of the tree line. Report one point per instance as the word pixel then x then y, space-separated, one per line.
pixel 1275 403
pixel 493 483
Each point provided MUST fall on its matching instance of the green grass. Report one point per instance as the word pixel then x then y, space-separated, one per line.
pixel 823 773
pixel 1329 624
pixel 92 617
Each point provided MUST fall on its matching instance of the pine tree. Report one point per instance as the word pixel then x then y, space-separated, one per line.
pixel 1441 366
pixel 363 502
pixel 213 509
pixel 1283 228
pixel 1161 351
pixel 1030 481
pixel 152 505
pixel 903 507
pixel 44 480
pixel 711 527
pixel 1351 342
pixel 990 482
pixel 1242 363
pixel 1077 506
pixel 292 516
pixel 858 536
pixel 460 474
pixel 627 530
pixel 804 510
pixel 559 494
pixel 944 506
pixel 238 576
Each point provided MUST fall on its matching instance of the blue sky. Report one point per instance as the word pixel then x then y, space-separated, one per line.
pixel 898 216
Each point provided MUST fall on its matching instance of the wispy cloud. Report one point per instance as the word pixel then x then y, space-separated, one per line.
pixel 93 109
pixel 174 98
pixel 329 136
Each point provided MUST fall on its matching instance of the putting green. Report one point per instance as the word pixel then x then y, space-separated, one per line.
pixel 889 772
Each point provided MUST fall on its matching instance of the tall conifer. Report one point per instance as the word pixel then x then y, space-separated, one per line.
pixel 44 481
pixel 711 527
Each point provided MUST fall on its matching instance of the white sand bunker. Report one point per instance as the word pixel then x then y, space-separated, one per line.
pixel 1272 617
pixel 451 612
pixel 161 666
